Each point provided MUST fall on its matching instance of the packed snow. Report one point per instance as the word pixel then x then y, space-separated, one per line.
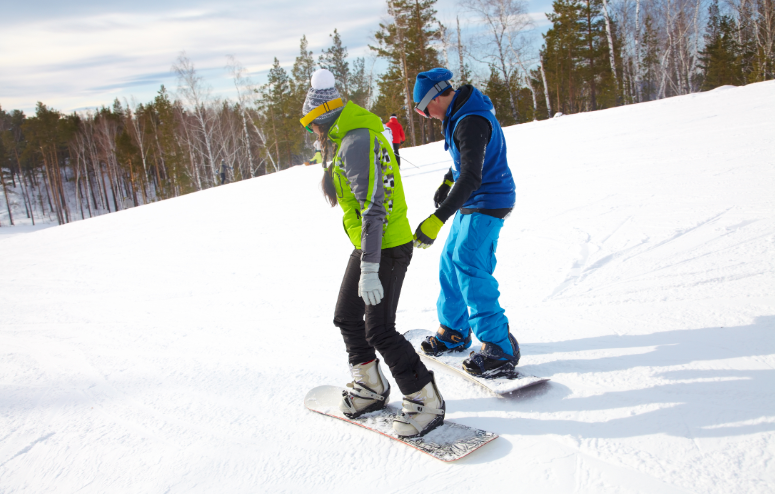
pixel 169 347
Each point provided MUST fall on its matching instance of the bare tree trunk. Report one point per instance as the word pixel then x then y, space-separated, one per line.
pixel 263 143
pixel 638 95
pixel 665 58
pixel 404 74
pixel 609 35
pixel 274 132
pixel 546 90
pixel 62 192
pixel 5 192
pixel 78 185
pixel 696 56
pixel 105 190
pixel 460 50
pixel 26 191
pixel 50 189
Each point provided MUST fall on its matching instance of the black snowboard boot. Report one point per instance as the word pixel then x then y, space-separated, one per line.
pixel 492 362
pixel 446 341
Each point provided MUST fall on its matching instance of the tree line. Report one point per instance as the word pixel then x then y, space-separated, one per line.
pixel 604 53
pixel 596 54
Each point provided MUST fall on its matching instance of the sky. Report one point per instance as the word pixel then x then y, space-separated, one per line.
pixel 85 53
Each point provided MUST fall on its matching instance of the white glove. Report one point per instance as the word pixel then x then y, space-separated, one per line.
pixel 369 286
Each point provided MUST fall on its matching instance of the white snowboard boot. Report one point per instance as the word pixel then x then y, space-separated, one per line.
pixel 423 411
pixel 369 390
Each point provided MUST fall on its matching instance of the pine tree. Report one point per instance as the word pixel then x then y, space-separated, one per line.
pixel 495 88
pixel 360 83
pixel 168 156
pixel 334 58
pixel 561 54
pixel 407 43
pixel 593 50
pixel 304 66
pixel 720 59
pixel 649 60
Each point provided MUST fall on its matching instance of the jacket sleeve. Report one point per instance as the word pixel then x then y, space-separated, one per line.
pixel 471 136
pixel 403 136
pixel 360 154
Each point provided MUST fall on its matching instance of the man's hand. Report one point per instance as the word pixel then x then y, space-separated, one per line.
pixel 442 192
pixel 427 232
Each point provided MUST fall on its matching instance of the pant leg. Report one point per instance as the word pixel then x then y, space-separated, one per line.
pixel 399 355
pixel 474 261
pixel 395 151
pixel 349 312
pixel 451 306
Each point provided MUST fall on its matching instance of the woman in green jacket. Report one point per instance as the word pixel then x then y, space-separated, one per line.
pixel 363 180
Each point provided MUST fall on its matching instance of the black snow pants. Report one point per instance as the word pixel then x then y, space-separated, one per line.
pixel 396 145
pixel 378 330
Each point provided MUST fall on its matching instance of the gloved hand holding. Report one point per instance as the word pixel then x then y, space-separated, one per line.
pixel 442 192
pixel 427 232
pixel 369 286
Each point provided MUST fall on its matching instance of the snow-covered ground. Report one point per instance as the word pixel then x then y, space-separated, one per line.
pixel 168 348
pixel 7 231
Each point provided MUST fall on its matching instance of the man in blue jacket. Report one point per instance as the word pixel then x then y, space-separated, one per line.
pixel 479 190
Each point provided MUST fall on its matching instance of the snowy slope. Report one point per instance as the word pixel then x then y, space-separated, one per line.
pixel 168 348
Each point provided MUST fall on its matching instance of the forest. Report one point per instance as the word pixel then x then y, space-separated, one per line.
pixel 596 54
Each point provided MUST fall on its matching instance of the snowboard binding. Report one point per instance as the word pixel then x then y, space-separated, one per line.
pixel 492 362
pixel 362 395
pixel 445 340
pixel 415 412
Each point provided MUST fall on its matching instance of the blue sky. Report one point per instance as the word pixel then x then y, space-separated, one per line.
pixel 84 53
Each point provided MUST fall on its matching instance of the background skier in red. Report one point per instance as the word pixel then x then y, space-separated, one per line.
pixel 398 136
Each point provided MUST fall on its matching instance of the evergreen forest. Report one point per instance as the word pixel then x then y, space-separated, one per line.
pixel 596 54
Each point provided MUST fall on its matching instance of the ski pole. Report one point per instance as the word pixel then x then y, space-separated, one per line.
pixel 404 159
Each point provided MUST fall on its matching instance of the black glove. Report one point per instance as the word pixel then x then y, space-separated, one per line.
pixel 442 192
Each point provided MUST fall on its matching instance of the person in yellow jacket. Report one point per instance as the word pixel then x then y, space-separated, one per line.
pixel 365 181
pixel 318 158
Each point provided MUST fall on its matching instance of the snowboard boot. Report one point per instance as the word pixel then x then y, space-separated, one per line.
pixel 492 362
pixel 422 412
pixel 445 340
pixel 369 390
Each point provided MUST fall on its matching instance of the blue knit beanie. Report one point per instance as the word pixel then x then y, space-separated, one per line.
pixel 426 80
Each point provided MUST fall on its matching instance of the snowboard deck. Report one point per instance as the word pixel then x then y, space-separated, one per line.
pixel 454 363
pixel 448 442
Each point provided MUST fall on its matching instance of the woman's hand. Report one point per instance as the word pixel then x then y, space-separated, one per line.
pixel 369 286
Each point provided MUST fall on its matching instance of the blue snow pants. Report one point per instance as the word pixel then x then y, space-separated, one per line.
pixel 469 292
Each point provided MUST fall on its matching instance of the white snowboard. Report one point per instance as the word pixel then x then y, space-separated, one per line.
pixel 448 442
pixel 454 363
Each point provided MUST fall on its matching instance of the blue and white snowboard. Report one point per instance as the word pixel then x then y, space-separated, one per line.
pixel 454 362
pixel 448 442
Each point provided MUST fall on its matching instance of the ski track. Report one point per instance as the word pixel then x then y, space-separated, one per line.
pixel 168 348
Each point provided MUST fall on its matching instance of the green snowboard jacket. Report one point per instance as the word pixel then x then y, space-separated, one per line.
pixel 368 183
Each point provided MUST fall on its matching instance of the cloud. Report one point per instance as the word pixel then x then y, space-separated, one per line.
pixel 85 53
pixel 86 60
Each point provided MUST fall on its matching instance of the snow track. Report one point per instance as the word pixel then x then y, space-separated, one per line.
pixel 168 348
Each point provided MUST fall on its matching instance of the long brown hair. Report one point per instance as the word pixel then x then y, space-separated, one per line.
pixel 327 183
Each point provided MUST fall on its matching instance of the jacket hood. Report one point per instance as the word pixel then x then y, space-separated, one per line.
pixel 354 117
pixel 467 100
